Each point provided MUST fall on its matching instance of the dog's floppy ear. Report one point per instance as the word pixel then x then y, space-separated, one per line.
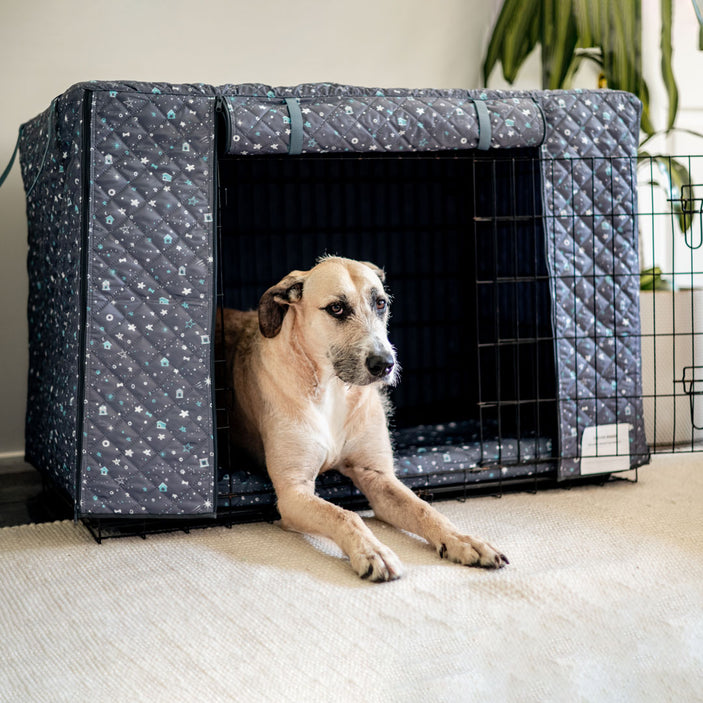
pixel 377 270
pixel 275 301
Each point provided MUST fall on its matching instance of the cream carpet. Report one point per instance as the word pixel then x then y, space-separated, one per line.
pixel 602 601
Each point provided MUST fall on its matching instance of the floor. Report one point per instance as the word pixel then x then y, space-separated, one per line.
pixel 23 499
pixel 601 602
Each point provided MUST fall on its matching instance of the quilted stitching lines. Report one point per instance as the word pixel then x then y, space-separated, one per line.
pixel 54 217
pixel 150 307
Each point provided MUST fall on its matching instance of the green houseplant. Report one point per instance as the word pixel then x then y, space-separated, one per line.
pixel 568 32
pixel 609 34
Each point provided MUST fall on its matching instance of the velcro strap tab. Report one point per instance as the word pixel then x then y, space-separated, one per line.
pixel 295 145
pixel 484 125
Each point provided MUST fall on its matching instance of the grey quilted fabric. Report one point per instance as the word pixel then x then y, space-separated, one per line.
pixel 148 399
pixel 121 289
pixel 55 215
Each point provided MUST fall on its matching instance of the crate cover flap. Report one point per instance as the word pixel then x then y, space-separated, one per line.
pixel 589 195
pixel 380 123
pixel 148 442
pixel 54 214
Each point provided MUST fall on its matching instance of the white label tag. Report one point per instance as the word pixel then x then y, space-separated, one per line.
pixel 605 448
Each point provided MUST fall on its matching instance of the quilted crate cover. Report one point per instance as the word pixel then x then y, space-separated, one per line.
pixel 120 181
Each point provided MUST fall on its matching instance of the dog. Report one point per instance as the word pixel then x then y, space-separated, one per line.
pixel 310 369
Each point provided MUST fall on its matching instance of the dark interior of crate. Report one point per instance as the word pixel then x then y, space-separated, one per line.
pixel 461 239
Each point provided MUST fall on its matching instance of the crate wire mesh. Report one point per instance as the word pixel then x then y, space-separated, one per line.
pixel 671 239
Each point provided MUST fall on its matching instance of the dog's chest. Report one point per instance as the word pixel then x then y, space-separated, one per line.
pixel 333 410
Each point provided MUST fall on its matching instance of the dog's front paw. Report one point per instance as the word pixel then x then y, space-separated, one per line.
pixel 377 564
pixel 466 550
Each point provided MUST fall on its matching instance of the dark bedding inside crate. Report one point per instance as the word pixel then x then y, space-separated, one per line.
pixel 427 456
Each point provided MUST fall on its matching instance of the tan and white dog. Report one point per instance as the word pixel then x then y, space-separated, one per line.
pixel 309 371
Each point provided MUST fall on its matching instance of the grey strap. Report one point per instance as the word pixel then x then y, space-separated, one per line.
pixel 295 145
pixel 484 125
pixel 6 172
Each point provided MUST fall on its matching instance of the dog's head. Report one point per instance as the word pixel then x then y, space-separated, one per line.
pixel 340 311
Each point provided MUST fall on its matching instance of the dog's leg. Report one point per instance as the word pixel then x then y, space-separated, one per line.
pixel 397 505
pixel 302 511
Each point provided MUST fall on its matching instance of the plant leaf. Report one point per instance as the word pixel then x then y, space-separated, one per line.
pixel 496 41
pixel 563 26
pixel 559 39
pixel 586 13
pixel 690 131
pixel 510 25
pixel 645 122
pixel 666 59
pixel 519 42
pixel 651 279
pixel 578 59
pixel 622 42
pixel 683 207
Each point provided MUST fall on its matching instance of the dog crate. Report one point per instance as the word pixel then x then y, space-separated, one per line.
pixel 507 223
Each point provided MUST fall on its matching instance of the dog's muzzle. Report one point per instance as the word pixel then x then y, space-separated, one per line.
pixel 359 367
pixel 380 365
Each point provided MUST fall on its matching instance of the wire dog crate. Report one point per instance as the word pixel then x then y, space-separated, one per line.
pixel 509 223
pixel 462 239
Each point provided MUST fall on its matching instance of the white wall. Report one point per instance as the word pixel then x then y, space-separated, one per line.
pixel 45 46
pixel 688 66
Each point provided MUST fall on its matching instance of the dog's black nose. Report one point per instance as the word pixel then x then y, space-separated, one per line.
pixel 380 365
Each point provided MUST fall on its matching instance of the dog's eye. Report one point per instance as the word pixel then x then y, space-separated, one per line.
pixel 381 304
pixel 336 309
